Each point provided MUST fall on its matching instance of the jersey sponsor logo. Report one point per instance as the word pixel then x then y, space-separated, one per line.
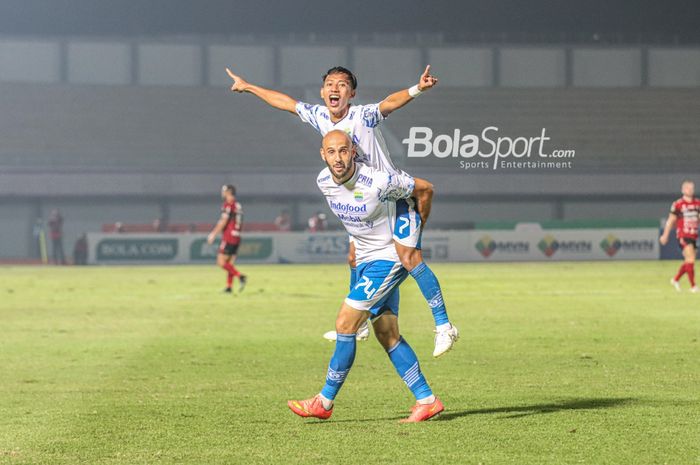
pixel 324 179
pixel 346 207
pixel 366 180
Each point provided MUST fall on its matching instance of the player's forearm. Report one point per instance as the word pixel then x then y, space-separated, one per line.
pixel 394 101
pixel 423 193
pixel 273 98
pixel 669 225
pixel 218 228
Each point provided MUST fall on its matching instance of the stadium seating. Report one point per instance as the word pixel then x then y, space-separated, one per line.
pixel 209 129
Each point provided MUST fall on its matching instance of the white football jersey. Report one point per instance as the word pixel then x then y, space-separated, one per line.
pixel 366 206
pixel 360 124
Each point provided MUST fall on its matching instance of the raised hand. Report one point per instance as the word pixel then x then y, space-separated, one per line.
pixel 239 84
pixel 426 80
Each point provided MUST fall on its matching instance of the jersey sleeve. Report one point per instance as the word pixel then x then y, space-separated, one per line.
pixel 395 186
pixel 371 116
pixel 308 113
pixel 675 208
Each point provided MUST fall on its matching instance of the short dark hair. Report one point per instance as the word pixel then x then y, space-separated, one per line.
pixel 342 70
pixel 230 188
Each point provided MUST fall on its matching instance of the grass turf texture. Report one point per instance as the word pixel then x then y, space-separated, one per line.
pixel 559 363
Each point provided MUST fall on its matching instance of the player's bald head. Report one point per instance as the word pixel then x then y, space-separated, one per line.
pixel 336 137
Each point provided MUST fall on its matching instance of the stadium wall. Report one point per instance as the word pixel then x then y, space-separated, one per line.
pixel 200 62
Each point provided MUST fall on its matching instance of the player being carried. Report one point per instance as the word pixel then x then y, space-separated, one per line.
pixel 372 194
pixel 360 123
pixel 229 225
pixel 684 213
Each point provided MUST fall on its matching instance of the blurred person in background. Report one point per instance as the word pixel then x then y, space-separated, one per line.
pixel 80 250
pixel 684 214
pixel 56 235
pixel 318 223
pixel 229 225
pixel 284 221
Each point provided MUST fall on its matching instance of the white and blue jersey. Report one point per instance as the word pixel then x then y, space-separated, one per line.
pixel 360 124
pixel 366 205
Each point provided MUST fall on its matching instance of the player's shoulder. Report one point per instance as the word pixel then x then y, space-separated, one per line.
pixel 237 206
pixel 324 177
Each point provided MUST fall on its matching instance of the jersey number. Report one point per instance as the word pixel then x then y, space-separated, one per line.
pixel 367 284
pixel 405 224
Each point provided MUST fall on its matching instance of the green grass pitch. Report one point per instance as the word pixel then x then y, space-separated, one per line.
pixel 559 363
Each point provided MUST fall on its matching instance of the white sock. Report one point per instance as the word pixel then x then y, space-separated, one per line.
pixel 327 403
pixel 443 327
pixel 427 400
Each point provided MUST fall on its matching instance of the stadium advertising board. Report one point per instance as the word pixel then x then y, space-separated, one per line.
pixel 530 243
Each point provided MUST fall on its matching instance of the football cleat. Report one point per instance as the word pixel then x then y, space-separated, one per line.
pixel 444 340
pixel 675 285
pixel 694 289
pixel 423 412
pixel 243 281
pixel 310 408
pixel 227 290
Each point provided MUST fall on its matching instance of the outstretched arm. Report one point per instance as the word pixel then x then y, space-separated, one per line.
pixel 271 97
pixel 670 221
pixel 423 193
pixel 402 97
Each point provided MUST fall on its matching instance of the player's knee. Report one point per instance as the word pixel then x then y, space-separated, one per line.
pixel 346 325
pixel 410 258
pixel 388 338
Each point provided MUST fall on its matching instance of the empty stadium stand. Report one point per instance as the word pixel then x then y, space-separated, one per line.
pixel 197 129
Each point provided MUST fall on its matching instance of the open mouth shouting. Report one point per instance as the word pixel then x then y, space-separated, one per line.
pixel 334 100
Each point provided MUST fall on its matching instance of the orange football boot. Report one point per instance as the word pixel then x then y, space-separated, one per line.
pixel 310 408
pixel 422 412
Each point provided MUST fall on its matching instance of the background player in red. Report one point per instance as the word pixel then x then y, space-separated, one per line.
pixel 230 226
pixel 684 213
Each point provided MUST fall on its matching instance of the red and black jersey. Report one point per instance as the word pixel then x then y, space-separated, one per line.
pixel 232 230
pixel 686 217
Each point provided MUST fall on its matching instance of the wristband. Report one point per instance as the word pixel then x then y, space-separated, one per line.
pixel 414 91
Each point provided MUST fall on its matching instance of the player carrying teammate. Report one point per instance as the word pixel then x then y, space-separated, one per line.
pixel 360 123
pixel 229 225
pixel 684 213
pixel 364 200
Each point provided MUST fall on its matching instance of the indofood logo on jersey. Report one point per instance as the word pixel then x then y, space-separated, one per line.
pixel 611 245
pixel 474 151
pixel 486 246
pixel 348 208
pixel 549 245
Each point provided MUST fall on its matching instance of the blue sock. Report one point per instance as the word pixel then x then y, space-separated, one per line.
pixel 353 277
pixel 408 368
pixel 340 365
pixel 430 287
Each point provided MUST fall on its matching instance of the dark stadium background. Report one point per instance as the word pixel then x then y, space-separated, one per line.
pixel 158 141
